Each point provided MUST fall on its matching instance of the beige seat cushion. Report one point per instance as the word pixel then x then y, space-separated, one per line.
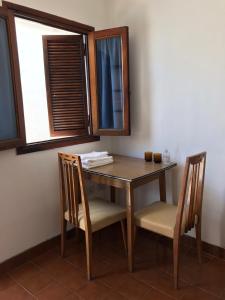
pixel 102 214
pixel 159 217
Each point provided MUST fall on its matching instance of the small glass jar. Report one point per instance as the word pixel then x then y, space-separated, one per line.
pixel 166 157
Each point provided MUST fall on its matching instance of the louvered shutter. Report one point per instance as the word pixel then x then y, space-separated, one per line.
pixel 66 85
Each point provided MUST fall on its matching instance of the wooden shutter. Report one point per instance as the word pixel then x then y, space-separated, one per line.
pixel 66 85
pixel 123 68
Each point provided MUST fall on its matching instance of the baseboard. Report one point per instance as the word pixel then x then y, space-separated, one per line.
pixel 208 248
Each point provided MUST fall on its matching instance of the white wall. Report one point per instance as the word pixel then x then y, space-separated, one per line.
pixel 177 72
pixel 29 190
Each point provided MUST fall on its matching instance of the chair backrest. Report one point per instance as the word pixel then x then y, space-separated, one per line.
pixel 191 195
pixel 72 186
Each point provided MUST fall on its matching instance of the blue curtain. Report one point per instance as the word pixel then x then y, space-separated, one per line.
pixel 109 74
pixel 7 109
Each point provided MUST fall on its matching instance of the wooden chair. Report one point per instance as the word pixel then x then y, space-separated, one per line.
pixel 173 221
pixel 75 208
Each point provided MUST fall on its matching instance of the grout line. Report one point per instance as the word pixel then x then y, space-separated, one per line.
pixel 210 293
pixel 156 289
pixel 20 285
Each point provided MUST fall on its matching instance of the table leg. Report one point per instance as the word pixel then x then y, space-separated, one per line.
pixel 130 226
pixel 112 194
pixel 162 186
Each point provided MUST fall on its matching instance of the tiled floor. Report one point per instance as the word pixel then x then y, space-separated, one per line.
pixel 48 276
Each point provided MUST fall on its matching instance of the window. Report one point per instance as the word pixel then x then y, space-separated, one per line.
pixel 45 80
pixel 56 71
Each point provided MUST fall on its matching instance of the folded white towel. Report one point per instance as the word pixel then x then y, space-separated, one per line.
pixel 94 159
pixel 97 162
pixel 93 154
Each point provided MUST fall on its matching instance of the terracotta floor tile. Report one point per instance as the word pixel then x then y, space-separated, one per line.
pixel 78 260
pixel 186 261
pixel 6 282
pixel 54 291
pixel 111 255
pixel 31 277
pixel 132 289
pixel 74 247
pixel 190 259
pixel 24 272
pixel 115 278
pixel 160 281
pixel 37 282
pixel 101 269
pixel 210 276
pixel 165 284
pixel 93 291
pixel 155 295
pixel 196 293
pixel 15 292
pixel 146 271
pixel 72 297
pixel 112 295
pixel 73 280
pixel 155 264
pixel 57 267
pixel 123 282
pixel 46 259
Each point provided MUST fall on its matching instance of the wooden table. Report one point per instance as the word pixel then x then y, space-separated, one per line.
pixel 128 173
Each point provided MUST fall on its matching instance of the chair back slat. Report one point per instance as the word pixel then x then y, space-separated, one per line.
pixel 73 190
pixel 65 182
pixel 190 200
pixel 76 194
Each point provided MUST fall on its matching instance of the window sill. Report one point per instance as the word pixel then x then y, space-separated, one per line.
pixel 57 143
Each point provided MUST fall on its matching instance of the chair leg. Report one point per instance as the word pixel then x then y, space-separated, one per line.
pixel 88 241
pixel 122 222
pixel 199 241
pixel 176 257
pixel 63 236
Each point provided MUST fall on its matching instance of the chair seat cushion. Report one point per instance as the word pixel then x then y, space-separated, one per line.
pixel 102 214
pixel 159 217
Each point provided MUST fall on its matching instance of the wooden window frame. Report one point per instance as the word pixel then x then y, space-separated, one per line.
pixel 30 14
pixel 92 38
pixel 17 93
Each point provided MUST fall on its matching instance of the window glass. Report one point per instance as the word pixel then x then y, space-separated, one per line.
pixel 110 86
pixel 8 129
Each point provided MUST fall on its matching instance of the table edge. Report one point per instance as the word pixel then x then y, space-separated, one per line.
pixel 92 172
